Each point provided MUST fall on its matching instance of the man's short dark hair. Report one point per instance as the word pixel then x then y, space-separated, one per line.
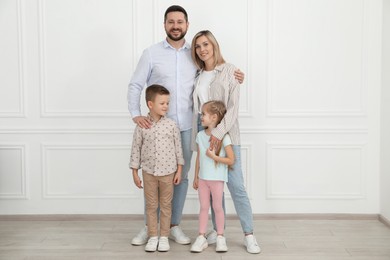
pixel 175 8
pixel 153 90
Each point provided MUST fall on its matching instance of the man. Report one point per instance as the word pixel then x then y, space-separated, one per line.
pixel 169 63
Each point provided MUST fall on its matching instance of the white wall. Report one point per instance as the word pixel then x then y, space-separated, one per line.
pixel 309 112
pixel 385 114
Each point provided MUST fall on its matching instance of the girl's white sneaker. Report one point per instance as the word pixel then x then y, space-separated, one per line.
pixel 221 244
pixel 199 245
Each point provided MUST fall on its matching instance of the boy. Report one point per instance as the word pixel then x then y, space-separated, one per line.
pixel 158 150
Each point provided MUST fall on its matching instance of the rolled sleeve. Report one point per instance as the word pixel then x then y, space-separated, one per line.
pixel 136 147
pixel 232 106
pixel 178 146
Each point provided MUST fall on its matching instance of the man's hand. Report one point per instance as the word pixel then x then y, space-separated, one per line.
pixel 142 121
pixel 239 75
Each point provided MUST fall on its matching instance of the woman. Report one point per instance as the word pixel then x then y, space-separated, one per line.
pixel 215 81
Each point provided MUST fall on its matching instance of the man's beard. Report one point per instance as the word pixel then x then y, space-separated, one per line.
pixel 178 38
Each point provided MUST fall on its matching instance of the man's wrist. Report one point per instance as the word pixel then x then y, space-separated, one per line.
pixel 135 114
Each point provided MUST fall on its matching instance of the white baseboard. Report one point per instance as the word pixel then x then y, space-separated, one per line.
pixel 384 220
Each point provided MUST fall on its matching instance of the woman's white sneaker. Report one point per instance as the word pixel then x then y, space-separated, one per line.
pixel 221 244
pixel 251 244
pixel 199 245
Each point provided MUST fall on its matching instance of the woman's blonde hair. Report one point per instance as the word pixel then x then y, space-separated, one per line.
pixel 218 59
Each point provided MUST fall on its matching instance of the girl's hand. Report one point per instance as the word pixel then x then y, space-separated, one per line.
pixel 195 185
pixel 210 153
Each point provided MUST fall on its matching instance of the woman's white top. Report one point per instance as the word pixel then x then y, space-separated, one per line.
pixel 203 88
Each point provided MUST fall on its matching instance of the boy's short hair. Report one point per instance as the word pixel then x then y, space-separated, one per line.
pixel 153 90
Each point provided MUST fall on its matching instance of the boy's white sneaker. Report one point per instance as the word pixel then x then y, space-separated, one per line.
pixel 141 238
pixel 251 244
pixel 221 244
pixel 151 246
pixel 199 245
pixel 212 237
pixel 178 236
pixel 163 244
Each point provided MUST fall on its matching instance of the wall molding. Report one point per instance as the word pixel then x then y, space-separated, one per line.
pixel 45 111
pixel 361 111
pixel 361 194
pixel 134 18
pixel 20 113
pixel 24 174
pixel 47 194
pixel 248 112
pixel 127 130
pixel 156 25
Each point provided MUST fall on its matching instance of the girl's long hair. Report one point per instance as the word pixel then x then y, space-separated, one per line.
pixel 216 107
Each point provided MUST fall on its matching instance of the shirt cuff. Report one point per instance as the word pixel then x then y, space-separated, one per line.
pixel 135 113
pixel 134 166
pixel 181 161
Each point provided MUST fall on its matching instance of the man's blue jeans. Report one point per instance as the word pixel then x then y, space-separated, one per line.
pixel 180 191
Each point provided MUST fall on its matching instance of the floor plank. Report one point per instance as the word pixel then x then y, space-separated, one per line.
pixel 280 239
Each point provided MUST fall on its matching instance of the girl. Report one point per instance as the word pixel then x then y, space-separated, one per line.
pixel 211 173
pixel 215 81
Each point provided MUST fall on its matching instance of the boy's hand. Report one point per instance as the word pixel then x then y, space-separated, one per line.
pixel 137 181
pixel 177 178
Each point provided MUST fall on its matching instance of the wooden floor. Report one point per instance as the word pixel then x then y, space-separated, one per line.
pixel 280 239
